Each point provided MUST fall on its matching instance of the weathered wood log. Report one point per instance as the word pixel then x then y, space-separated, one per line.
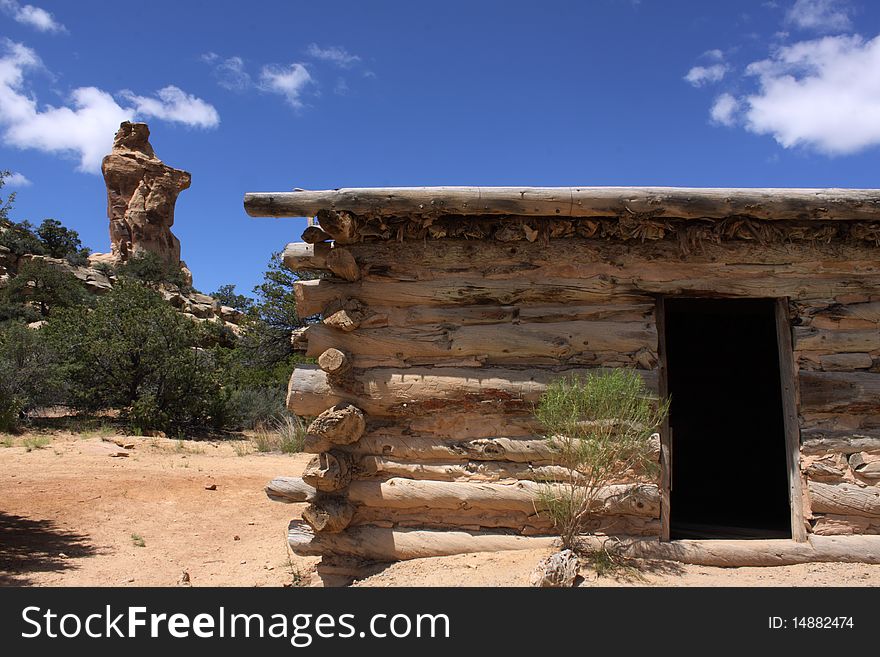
pixel 853 392
pixel 844 499
pixel 290 489
pixel 488 471
pixel 345 314
pixel 329 472
pixel 384 544
pixel 835 525
pixel 518 449
pixel 513 342
pixel 523 496
pixel 836 341
pixel 681 202
pixel 341 226
pixel 623 284
pixel 302 256
pixel 334 361
pixel 820 441
pixel 381 544
pixel 456 519
pixel 315 235
pixel 845 362
pixel 658 261
pixel 340 424
pixel 328 514
pixel 415 391
pixel 525 314
pixel 865 465
pixel 527 524
pixel 313 297
pixel 848 316
pixel 342 264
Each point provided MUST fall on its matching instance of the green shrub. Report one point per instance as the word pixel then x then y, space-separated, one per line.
pixel 45 287
pixel 28 373
pixel 148 267
pixel 135 353
pixel 255 407
pixel 601 428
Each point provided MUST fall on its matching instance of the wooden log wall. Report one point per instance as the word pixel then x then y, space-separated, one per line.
pixel 440 347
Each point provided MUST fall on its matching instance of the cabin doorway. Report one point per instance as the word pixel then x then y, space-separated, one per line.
pixel 727 469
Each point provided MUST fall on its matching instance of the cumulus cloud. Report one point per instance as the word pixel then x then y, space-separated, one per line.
pixel 701 75
pixel 819 15
pixel 16 179
pixel 288 81
pixel 85 124
pixel 823 94
pixel 724 110
pixel 34 17
pixel 174 104
pixel 334 54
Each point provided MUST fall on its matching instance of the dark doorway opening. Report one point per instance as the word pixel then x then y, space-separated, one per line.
pixel 729 476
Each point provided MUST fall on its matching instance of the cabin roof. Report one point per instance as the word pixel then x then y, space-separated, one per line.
pixel 798 204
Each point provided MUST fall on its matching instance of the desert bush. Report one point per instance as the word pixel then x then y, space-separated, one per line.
pixel 601 428
pixel 28 373
pixel 148 267
pixel 254 407
pixel 134 352
pixel 285 434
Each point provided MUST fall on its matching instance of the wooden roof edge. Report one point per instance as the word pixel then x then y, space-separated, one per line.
pixel 678 202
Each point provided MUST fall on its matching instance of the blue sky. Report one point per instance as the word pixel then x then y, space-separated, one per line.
pixel 267 96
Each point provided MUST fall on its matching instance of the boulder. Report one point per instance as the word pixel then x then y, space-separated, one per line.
pixel 558 570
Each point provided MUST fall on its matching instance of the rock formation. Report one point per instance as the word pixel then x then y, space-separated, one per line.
pixel 141 193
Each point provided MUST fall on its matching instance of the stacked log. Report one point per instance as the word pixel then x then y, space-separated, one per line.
pixel 441 325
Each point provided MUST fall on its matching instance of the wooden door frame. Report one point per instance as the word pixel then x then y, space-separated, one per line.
pixel 788 380
pixel 665 430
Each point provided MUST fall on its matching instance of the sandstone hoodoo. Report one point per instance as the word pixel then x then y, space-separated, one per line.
pixel 446 312
pixel 141 194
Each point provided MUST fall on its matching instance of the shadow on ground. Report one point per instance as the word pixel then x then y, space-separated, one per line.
pixel 37 546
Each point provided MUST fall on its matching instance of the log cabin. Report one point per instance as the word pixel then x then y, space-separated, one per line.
pixel 442 313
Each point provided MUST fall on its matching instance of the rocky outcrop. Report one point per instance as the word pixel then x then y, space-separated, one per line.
pixel 203 308
pixel 141 194
pixel 94 280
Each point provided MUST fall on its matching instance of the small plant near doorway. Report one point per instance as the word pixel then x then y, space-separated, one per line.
pixel 602 428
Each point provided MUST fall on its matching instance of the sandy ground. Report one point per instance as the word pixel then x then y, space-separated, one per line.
pixel 72 515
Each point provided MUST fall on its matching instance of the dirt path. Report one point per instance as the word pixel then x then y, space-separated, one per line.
pixel 70 514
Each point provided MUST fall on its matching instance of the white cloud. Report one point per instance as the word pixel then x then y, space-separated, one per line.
pixel 334 54
pixel 85 125
pixel 16 179
pixel 230 73
pixel 819 15
pixel 289 81
pixel 174 104
pixel 715 54
pixel 724 110
pixel 37 18
pixel 823 94
pixel 701 75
